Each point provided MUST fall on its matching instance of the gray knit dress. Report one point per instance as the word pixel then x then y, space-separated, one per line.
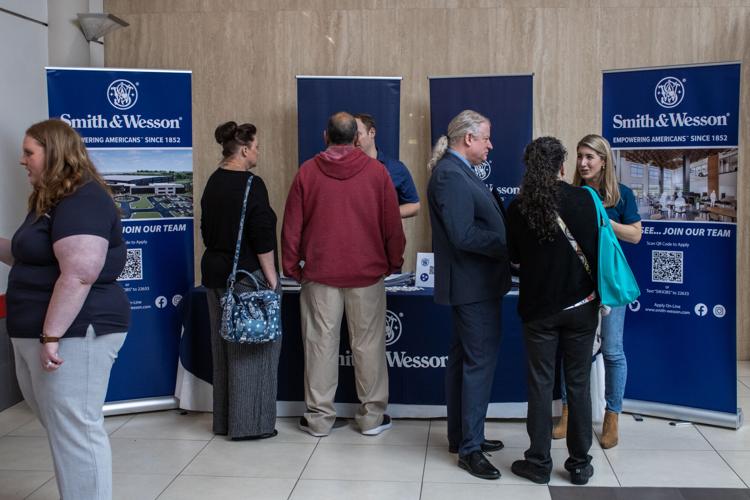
pixel 245 379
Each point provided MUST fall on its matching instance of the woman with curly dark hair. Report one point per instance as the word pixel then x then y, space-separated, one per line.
pixel 553 238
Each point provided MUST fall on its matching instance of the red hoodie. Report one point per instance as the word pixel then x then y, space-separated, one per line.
pixel 342 220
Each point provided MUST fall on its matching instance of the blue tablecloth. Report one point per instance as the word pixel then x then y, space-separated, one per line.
pixel 417 334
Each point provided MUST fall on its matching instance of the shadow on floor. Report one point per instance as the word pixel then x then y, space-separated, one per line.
pixel 599 493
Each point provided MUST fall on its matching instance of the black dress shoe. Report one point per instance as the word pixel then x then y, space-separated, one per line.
pixel 530 471
pixel 488 445
pixel 477 465
pixel 492 445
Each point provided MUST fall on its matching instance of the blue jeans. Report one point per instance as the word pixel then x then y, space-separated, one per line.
pixel 615 364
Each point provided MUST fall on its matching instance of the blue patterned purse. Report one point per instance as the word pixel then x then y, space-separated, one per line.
pixel 250 314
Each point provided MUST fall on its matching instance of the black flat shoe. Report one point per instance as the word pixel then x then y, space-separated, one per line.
pixel 488 445
pixel 581 475
pixel 257 437
pixel 530 471
pixel 476 464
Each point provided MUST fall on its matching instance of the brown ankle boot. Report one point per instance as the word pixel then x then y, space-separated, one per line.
pixel 609 430
pixel 560 430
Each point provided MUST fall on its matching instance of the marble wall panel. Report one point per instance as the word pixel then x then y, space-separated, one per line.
pixel 245 54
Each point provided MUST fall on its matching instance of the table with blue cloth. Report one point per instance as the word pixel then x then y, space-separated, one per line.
pixel 417 336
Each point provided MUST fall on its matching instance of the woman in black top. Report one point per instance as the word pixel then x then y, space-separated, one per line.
pixel 244 375
pixel 67 315
pixel 557 304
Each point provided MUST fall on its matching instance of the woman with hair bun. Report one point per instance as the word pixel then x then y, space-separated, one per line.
pixel 553 235
pixel 244 375
pixel 67 315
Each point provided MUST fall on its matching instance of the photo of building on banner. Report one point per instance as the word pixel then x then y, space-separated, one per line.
pixel 674 134
pixel 148 184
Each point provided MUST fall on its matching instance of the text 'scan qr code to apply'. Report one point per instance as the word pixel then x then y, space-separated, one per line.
pixel 133 266
pixel 667 266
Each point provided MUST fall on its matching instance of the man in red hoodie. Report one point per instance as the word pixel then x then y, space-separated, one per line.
pixel 341 236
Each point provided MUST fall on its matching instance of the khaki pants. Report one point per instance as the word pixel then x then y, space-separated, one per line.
pixel 321 311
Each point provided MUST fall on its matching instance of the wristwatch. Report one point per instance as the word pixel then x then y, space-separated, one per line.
pixel 46 339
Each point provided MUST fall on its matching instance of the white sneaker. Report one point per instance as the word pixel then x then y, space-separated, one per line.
pixel 384 426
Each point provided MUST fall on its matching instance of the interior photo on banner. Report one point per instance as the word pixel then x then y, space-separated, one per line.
pixel 674 132
pixel 318 97
pixel 137 126
pixel 508 102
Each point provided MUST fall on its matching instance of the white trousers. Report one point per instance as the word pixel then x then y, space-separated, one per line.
pixel 68 402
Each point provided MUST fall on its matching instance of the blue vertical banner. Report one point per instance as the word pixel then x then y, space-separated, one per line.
pixel 137 126
pixel 674 131
pixel 508 102
pixel 318 97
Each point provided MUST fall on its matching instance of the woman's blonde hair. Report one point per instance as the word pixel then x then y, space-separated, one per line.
pixel 609 189
pixel 466 122
pixel 67 165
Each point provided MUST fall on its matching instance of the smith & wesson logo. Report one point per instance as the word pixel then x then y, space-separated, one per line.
pixel 669 92
pixel 122 94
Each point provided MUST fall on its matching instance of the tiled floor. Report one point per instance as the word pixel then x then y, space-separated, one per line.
pixel 168 455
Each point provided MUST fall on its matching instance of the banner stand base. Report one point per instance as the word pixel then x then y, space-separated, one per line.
pixel 686 413
pixel 140 405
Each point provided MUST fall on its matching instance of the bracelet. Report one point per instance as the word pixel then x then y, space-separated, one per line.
pixel 47 339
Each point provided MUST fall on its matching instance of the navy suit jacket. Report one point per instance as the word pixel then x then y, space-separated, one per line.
pixel 468 236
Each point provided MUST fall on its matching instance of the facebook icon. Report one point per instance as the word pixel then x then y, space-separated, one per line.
pixel 701 309
pixel 161 302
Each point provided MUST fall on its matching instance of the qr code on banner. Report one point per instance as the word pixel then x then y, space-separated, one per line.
pixel 133 266
pixel 666 266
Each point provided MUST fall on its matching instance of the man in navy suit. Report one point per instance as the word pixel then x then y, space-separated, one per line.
pixel 472 274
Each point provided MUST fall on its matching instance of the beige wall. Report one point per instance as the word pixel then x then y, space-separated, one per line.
pixel 244 55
